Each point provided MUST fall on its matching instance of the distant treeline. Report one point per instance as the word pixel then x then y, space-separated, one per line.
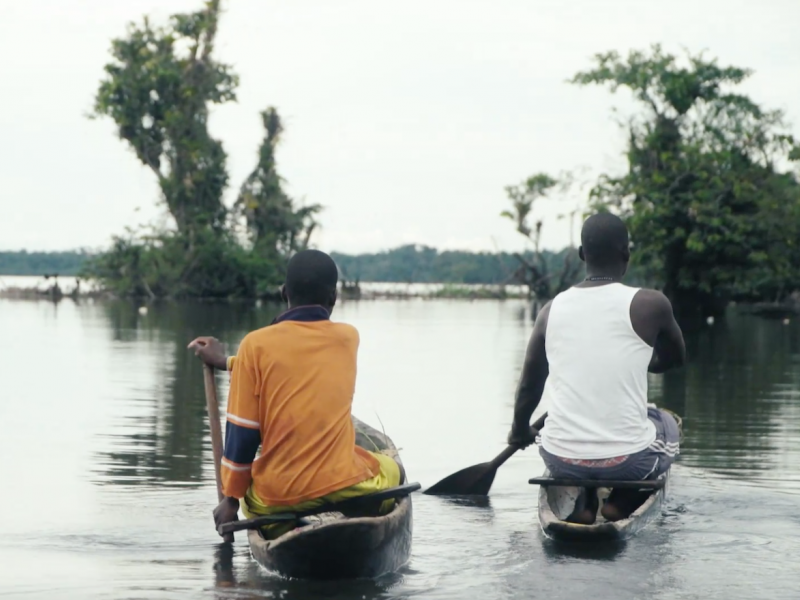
pixel 42 263
pixel 406 264
pixel 422 264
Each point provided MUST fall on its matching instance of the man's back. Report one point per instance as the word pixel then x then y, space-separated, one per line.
pixel 295 381
pixel 597 381
pixel 593 346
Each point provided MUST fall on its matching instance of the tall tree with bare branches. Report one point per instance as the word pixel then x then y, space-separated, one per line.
pixel 533 271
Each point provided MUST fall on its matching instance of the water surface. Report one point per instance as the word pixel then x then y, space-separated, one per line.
pixel 109 483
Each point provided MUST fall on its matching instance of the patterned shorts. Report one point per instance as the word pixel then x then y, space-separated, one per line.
pixel 646 464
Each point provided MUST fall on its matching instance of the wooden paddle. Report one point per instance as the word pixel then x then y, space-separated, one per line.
pixel 212 406
pixel 476 480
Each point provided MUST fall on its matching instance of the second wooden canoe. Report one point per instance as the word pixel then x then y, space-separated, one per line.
pixel 557 502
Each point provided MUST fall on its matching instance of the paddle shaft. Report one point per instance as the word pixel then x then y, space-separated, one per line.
pixel 212 406
pixel 510 450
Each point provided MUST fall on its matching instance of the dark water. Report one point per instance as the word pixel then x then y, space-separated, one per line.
pixel 108 484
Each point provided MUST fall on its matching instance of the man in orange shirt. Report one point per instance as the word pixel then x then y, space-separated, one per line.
pixel 292 386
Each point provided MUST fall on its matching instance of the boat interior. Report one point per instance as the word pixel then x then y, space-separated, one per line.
pixel 562 498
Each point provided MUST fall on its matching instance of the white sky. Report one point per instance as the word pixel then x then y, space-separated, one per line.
pixel 405 119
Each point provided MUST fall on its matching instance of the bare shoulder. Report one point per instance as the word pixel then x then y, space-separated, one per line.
pixel 652 297
pixel 544 312
pixel 540 325
pixel 652 301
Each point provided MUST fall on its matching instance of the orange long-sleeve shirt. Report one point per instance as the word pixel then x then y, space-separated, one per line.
pixel 292 387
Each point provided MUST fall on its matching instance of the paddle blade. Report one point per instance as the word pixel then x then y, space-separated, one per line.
pixel 477 480
pixel 472 481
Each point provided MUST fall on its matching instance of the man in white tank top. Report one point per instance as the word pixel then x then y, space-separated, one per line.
pixel 593 346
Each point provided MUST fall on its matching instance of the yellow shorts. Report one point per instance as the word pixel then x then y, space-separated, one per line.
pixel 387 477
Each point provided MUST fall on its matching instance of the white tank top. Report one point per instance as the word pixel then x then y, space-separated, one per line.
pixel 597 387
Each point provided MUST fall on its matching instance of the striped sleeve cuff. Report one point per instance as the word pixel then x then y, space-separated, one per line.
pixel 242 439
pixel 236 478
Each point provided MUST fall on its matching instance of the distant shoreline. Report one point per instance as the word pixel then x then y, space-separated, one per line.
pixel 31 288
pixel 49 288
pixel 410 263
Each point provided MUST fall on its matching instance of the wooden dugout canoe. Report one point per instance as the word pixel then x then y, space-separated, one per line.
pixel 332 546
pixel 557 502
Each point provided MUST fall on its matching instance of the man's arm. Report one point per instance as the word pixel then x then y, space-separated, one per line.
pixel 669 350
pixel 242 427
pixel 535 370
pixel 242 438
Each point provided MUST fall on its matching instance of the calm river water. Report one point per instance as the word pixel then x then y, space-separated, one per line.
pixel 109 484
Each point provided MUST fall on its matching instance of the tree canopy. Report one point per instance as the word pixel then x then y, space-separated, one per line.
pixel 273 221
pixel 158 89
pixel 712 207
pixel 711 194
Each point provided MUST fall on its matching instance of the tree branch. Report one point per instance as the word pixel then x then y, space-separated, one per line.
pixel 212 11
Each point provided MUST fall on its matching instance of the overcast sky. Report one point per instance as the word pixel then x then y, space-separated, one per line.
pixel 404 119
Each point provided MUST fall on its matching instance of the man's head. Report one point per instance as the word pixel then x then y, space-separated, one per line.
pixel 604 244
pixel 311 279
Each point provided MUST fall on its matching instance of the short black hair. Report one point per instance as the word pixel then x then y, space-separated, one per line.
pixel 604 239
pixel 311 278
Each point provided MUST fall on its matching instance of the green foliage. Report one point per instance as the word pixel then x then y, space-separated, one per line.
pixel 666 87
pixel 42 263
pixel 272 219
pixel 533 270
pixel 422 264
pixel 522 197
pixel 159 264
pixel 158 90
pixel 706 205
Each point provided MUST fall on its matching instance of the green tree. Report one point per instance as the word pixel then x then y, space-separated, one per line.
pixel 703 196
pixel 273 221
pixel 158 90
pixel 775 270
pixel 534 271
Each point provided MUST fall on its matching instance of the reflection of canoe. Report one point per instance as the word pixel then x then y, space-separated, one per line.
pixel 332 546
pixel 557 502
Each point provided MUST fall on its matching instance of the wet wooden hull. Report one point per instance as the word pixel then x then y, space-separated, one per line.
pixel 334 547
pixel 556 503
